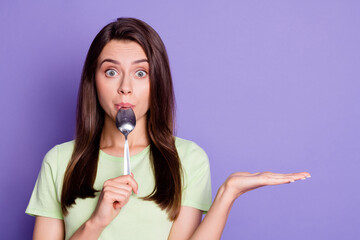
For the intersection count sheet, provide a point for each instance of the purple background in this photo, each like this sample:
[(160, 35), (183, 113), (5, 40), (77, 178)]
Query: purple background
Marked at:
[(260, 85)]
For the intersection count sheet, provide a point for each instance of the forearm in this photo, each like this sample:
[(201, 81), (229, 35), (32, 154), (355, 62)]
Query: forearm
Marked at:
[(89, 231), (212, 226)]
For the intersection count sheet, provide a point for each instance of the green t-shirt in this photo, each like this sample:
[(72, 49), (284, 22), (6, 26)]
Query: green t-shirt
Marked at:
[(138, 219)]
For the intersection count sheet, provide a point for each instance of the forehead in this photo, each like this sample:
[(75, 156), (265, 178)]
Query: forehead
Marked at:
[(122, 50)]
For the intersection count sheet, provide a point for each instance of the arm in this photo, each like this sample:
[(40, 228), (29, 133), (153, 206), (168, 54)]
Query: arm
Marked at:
[(52, 228), (48, 228), (237, 184), (186, 223)]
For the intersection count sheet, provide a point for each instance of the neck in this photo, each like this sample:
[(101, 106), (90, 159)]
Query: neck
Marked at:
[(112, 140)]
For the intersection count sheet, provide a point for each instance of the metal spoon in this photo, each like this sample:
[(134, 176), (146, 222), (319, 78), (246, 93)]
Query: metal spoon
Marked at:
[(125, 122)]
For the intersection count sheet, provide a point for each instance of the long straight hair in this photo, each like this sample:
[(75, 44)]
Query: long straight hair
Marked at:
[(81, 171)]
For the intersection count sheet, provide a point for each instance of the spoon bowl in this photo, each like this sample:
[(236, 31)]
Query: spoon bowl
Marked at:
[(125, 120), (125, 123)]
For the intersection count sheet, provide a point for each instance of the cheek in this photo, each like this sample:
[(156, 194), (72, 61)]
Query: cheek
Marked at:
[(104, 87), (103, 92), (145, 94)]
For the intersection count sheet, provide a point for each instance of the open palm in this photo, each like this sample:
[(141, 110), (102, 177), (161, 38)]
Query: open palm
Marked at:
[(242, 182)]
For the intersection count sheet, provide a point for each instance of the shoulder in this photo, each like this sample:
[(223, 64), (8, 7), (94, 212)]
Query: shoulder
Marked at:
[(65, 148), (184, 146), (190, 152), (60, 154)]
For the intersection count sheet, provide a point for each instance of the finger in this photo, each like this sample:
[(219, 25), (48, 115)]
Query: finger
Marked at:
[(112, 183), (241, 174), (289, 178), (278, 181), (306, 174), (111, 197), (300, 175), (114, 193), (268, 178), (295, 176), (280, 175), (128, 179), (120, 189)]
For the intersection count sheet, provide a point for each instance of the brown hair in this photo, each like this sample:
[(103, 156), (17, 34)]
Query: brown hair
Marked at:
[(82, 168)]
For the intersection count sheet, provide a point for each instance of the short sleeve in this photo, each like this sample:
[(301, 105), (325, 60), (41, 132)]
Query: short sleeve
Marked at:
[(44, 199), (197, 179)]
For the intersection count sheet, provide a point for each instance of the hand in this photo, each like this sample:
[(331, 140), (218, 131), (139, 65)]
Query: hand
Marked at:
[(114, 195), (242, 182)]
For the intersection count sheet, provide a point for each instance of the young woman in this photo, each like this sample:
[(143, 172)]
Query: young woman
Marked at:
[(81, 193)]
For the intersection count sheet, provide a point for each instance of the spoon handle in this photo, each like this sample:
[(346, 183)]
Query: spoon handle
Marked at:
[(127, 170)]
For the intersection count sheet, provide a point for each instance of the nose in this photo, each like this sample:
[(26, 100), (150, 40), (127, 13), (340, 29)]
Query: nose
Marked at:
[(125, 86)]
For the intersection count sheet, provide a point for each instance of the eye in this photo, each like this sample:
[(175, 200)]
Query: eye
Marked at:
[(141, 74), (110, 73)]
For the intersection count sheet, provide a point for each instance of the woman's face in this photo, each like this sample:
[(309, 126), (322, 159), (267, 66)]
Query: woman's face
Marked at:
[(122, 79)]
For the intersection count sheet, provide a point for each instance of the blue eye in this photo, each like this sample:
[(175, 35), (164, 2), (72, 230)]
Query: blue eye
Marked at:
[(111, 73), (140, 74)]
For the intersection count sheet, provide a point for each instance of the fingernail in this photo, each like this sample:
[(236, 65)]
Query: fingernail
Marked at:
[(308, 176), (292, 180), (303, 178)]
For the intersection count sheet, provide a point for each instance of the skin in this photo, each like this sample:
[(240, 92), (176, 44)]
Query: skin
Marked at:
[(122, 77)]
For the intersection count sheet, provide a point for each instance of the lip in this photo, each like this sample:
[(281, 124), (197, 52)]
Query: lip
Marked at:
[(124, 105)]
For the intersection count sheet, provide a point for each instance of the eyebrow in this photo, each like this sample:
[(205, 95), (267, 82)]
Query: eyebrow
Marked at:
[(140, 61), (118, 63)]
